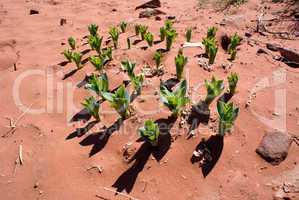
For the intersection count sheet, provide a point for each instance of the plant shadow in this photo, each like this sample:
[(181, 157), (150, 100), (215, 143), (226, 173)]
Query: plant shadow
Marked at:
[(69, 74), (212, 150), (127, 179), (226, 97), (81, 131), (100, 139), (63, 63), (170, 83), (137, 41), (200, 113)]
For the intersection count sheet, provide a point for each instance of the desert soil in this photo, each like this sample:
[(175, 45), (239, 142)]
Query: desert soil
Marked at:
[(57, 167)]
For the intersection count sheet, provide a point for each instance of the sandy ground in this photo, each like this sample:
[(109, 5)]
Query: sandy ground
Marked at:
[(56, 168)]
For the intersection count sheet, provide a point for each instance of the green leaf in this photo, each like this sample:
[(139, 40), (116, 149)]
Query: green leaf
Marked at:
[(72, 43), (93, 29), (114, 34), (123, 26), (129, 67), (150, 132), (180, 62), (92, 106)]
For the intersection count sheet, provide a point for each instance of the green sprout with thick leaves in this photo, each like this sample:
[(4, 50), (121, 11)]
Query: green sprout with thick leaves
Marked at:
[(233, 79), (114, 33), (93, 29), (175, 100), (150, 132), (188, 34), (168, 25), (211, 49), (119, 100), (92, 106), (107, 53), (129, 67), (98, 62), (170, 37), (232, 47), (211, 33), (180, 62), (77, 57), (149, 38), (157, 58), (162, 33), (228, 113), (123, 26), (72, 43), (143, 31), (137, 29), (98, 83), (137, 82), (68, 54), (214, 88), (95, 43)]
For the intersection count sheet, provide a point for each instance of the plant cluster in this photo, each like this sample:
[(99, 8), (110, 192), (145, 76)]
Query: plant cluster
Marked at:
[(150, 132), (210, 43), (137, 80), (232, 47), (180, 62)]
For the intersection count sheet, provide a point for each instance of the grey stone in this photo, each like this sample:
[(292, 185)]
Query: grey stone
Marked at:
[(149, 12), (274, 147)]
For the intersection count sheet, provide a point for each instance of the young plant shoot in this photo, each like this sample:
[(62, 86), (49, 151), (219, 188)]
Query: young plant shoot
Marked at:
[(180, 62), (92, 106), (162, 33), (72, 43), (107, 53), (232, 47), (150, 132), (233, 79), (137, 29), (114, 33), (123, 26), (143, 30), (211, 49), (228, 113), (98, 62), (211, 33), (95, 43), (214, 88), (137, 82), (149, 38), (129, 67), (76, 57), (68, 54), (170, 37), (93, 29), (119, 100), (188, 34), (98, 84), (157, 58), (175, 100), (168, 25)]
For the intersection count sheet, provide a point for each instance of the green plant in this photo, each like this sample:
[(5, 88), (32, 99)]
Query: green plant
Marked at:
[(143, 30), (128, 66), (228, 113), (76, 57), (95, 43), (175, 100), (92, 106), (168, 25), (93, 29), (107, 53), (170, 37), (98, 62), (157, 57), (129, 43), (214, 88), (137, 29), (232, 47), (98, 83), (137, 82), (211, 49), (119, 100), (149, 38), (114, 33), (68, 54), (123, 26), (233, 79), (162, 33), (180, 62), (72, 43), (211, 33), (150, 132), (188, 34)]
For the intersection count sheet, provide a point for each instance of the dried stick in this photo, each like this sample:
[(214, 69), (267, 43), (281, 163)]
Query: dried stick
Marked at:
[(120, 193)]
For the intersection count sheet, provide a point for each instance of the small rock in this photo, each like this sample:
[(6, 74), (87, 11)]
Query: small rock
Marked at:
[(62, 21), (291, 56), (34, 12), (274, 147), (158, 18), (149, 12), (171, 17), (296, 15), (247, 34), (36, 185), (261, 51), (150, 4), (114, 10)]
